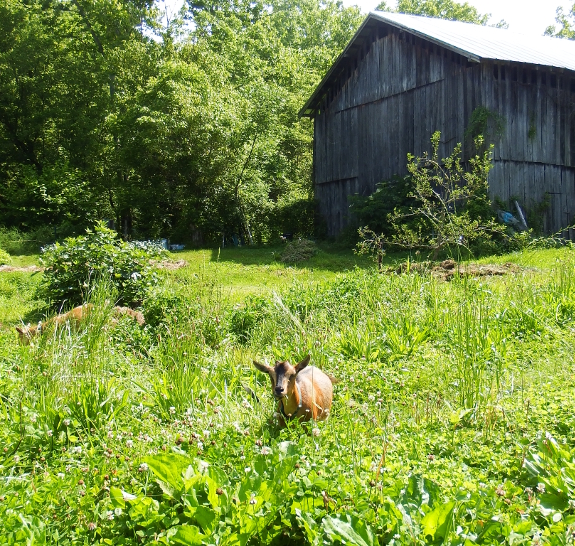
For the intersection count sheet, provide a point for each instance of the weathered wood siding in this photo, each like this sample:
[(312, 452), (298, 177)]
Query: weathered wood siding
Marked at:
[(402, 89)]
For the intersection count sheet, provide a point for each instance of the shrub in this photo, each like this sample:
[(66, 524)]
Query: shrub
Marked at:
[(450, 208), (298, 251), (4, 257), (74, 265)]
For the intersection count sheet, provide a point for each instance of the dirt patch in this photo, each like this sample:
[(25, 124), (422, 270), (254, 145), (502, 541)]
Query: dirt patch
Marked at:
[(170, 265), (29, 269), (448, 269)]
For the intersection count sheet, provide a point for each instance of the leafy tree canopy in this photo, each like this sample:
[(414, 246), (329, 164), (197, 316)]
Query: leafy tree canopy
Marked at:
[(442, 9), (566, 23)]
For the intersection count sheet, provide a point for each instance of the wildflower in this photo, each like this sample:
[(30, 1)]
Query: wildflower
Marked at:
[(500, 492), (431, 457), (143, 467), (68, 468), (315, 432), (49, 433), (129, 444), (91, 526), (540, 487), (66, 422), (571, 504), (266, 450), (110, 515), (118, 511), (110, 434), (253, 501), (371, 398), (172, 410), (61, 475), (16, 458), (247, 469)]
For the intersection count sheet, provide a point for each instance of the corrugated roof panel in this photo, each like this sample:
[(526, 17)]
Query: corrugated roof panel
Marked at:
[(488, 42)]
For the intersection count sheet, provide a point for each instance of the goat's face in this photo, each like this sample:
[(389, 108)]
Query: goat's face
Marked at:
[(282, 375), (26, 333)]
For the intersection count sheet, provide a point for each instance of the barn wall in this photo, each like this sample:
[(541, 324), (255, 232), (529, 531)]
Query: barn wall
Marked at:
[(403, 89)]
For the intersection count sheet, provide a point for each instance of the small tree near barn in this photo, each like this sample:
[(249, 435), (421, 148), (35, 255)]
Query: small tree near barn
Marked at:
[(450, 210)]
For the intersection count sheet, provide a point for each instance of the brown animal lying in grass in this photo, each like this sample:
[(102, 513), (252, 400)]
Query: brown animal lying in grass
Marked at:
[(74, 318), (303, 392)]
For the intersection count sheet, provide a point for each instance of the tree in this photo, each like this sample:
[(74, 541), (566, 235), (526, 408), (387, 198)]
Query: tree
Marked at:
[(442, 9), (450, 206), (566, 22)]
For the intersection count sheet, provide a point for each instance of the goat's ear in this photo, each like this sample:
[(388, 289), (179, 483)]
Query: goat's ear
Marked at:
[(262, 367), (20, 331), (299, 367)]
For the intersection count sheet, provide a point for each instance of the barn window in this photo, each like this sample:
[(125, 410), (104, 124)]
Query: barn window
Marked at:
[(524, 76), (502, 73), (533, 77), (514, 74), (495, 71), (543, 78)]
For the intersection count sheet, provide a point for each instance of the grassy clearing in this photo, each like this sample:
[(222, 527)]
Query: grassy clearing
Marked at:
[(453, 422)]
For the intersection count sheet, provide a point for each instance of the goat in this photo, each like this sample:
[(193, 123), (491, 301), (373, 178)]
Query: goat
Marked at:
[(74, 317), (302, 392)]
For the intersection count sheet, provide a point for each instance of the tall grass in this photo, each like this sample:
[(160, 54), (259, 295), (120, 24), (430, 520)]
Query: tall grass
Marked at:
[(443, 380)]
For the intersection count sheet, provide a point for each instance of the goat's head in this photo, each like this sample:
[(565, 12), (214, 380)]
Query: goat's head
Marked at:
[(282, 375), (27, 332)]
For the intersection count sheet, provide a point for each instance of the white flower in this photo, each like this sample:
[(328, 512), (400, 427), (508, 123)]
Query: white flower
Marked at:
[(247, 469), (540, 487), (110, 434), (266, 450), (32, 418), (110, 515), (16, 458), (49, 433), (315, 432), (118, 511), (129, 444), (66, 422), (143, 467), (172, 410)]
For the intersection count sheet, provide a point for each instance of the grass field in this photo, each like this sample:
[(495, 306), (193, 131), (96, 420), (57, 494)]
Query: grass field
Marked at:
[(453, 422)]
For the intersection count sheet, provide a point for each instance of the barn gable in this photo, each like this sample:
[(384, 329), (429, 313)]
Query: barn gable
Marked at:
[(395, 85)]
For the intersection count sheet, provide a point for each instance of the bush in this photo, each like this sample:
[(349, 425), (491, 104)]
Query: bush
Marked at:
[(4, 257), (298, 251), (74, 265)]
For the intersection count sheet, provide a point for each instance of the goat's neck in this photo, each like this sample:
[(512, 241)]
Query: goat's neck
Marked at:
[(291, 402)]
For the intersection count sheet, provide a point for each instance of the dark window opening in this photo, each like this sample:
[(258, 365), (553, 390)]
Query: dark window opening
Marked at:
[(524, 76), (543, 79), (514, 74), (553, 81), (502, 73), (534, 77), (495, 71)]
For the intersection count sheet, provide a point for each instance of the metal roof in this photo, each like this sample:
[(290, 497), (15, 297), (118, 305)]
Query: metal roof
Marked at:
[(477, 43)]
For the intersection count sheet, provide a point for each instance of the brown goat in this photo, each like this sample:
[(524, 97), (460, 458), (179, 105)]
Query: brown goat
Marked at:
[(74, 317), (302, 392)]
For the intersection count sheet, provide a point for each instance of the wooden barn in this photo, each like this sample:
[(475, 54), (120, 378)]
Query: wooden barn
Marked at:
[(402, 77)]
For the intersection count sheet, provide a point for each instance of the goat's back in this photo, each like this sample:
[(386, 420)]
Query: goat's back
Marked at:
[(317, 392)]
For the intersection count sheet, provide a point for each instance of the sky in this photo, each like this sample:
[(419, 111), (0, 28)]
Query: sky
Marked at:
[(525, 16)]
